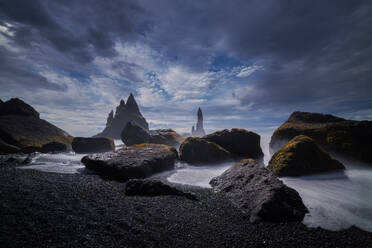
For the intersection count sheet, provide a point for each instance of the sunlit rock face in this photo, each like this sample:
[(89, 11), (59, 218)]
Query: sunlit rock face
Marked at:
[(199, 130), (353, 138), (125, 112)]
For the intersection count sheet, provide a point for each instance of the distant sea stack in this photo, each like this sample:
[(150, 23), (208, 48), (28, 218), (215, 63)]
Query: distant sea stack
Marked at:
[(125, 112), (21, 126), (199, 130)]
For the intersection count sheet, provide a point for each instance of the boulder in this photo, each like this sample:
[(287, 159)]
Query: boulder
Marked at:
[(137, 161), (30, 149), (154, 188), (135, 134), (92, 145), (239, 142), (54, 147), (302, 156), (6, 148), (352, 138), (198, 150), (21, 126), (125, 112), (256, 191)]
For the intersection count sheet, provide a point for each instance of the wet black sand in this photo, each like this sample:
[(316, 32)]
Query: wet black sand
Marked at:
[(40, 209)]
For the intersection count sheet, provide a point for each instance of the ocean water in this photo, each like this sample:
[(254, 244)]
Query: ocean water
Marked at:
[(335, 201)]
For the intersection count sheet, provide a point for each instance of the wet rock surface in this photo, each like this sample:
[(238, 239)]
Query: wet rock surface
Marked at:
[(198, 150), (302, 156), (138, 161), (154, 188), (40, 209), (237, 141), (91, 145), (253, 189), (347, 137)]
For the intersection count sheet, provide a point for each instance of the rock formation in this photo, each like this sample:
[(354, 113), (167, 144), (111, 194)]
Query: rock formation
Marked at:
[(199, 130), (124, 113), (90, 145), (138, 161), (237, 141), (257, 192), (21, 126), (134, 134), (353, 138), (198, 150), (302, 156)]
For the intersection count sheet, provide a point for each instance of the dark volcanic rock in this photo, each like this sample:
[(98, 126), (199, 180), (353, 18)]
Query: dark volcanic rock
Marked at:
[(137, 161), (154, 188), (256, 191), (353, 138), (54, 147), (134, 134), (91, 145), (30, 149), (302, 156), (124, 113), (21, 126), (198, 150), (199, 130), (6, 148), (239, 142)]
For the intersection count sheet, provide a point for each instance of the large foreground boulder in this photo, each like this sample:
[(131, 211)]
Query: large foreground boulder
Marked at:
[(92, 145), (256, 191), (352, 138), (134, 134), (237, 141), (198, 150), (137, 161), (21, 126), (153, 188), (302, 156)]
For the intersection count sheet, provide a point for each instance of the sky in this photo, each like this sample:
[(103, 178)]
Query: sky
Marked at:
[(247, 64)]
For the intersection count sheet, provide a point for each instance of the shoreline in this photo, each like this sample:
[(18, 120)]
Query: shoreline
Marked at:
[(41, 209)]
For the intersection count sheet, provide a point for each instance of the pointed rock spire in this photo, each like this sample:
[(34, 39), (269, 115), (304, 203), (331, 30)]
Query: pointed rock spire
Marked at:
[(132, 104), (199, 130), (110, 118)]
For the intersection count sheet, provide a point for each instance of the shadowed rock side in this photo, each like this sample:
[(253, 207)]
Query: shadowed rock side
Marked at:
[(154, 188), (7, 149), (138, 161), (21, 126), (302, 156), (90, 145), (125, 112), (353, 138), (239, 142), (198, 150), (134, 134), (256, 191), (54, 147)]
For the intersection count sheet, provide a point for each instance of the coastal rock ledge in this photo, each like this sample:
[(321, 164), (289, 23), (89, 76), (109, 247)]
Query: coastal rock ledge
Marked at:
[(137, 161), (257, 192)]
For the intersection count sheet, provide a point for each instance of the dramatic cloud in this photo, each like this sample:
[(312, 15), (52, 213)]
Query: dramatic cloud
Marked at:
[(246, 63)]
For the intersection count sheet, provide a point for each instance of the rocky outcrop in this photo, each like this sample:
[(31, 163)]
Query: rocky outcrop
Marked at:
[(92, 145), (138, 161), (257, 192), (199, 130), (198, 150), (54, 147), (154, 188), (125, 112), (302, 156), (6, 148), (352, 138), (239, 142), (134, 134), (21, 126)]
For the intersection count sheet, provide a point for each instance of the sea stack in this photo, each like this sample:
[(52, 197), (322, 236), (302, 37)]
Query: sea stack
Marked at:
[(199, 130), (125, 112)]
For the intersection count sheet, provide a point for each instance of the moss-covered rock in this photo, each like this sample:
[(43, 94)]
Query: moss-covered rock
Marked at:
[(92, 145), (352, 138), (198, 150), (302, 156), (237, 141), (138, 161)]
